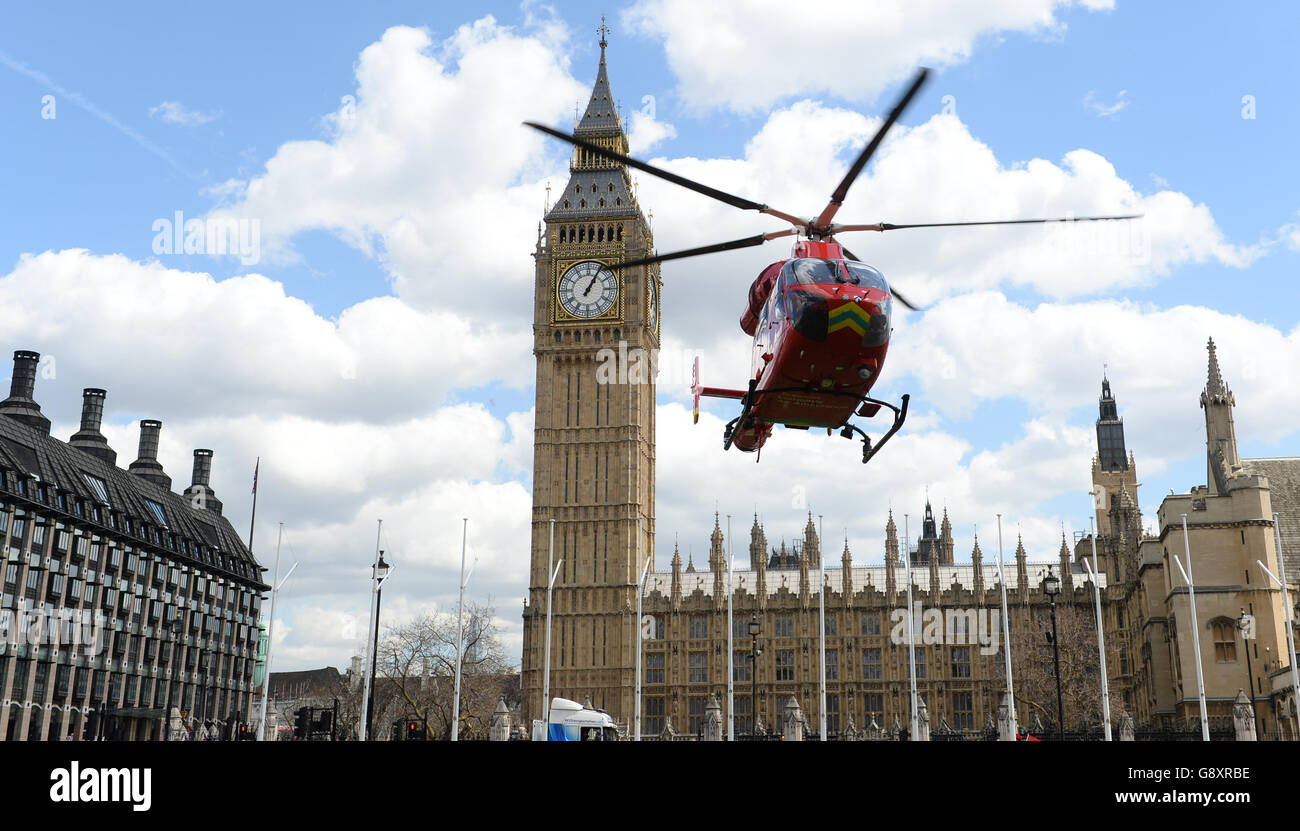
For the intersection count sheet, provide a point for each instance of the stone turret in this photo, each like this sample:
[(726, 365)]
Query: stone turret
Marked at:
[(677, 578), (891, 559), (718, 564), (846, 574), (1220, 432), (977, 560), (1022, 571), (1067, 578)]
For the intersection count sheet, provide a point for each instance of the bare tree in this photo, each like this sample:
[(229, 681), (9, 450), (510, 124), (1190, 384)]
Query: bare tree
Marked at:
[(419, 659), (1032, 661)]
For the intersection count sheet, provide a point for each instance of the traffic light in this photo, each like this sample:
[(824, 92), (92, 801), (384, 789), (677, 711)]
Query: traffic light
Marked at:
[(302, 723), (245, 735), (397, 731), (415, 731)]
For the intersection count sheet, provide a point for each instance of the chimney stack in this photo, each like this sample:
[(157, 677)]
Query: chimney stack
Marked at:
[(147, 466), (199, 493), (19, 405), (89, 438)]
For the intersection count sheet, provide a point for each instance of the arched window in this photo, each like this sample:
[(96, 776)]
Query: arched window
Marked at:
[(611, 187), (577, 337), (582, 203), (600, 233), (1225, 640), (582, 235), (618, 202), (561, 235), (620, 233), (557, 337), (602, 202)]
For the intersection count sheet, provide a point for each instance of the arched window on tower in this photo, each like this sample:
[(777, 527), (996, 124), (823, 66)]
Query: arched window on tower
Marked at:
[(1225, 640), (600, 233), (620, 233)]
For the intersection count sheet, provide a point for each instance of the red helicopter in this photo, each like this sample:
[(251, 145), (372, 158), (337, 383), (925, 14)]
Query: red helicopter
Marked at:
[(820, 320)]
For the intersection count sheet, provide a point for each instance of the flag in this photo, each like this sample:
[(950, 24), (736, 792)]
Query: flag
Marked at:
[(255, 469)]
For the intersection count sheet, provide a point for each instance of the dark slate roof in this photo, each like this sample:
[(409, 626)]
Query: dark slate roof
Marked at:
[(1284, 484), (305, 683), (579, 201), (602, 114), (60, 467)]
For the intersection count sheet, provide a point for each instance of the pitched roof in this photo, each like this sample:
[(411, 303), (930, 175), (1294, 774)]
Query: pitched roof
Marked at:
[(1284, 486), (63, 468)]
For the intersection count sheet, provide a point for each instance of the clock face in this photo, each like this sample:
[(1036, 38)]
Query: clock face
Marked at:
[(588, 289), (652, 316)]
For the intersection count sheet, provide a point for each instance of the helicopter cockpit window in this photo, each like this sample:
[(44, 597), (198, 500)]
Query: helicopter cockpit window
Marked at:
[(864, 275), (807, 270)]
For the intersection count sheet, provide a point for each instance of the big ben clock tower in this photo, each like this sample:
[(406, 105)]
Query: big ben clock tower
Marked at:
[(594, 436)]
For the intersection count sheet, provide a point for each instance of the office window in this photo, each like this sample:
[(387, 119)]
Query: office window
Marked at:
[(742, 666), (1225, 641), (785, 665), (784, 626), (961, 662), (699, 668), (654, 717), (920, 662), (871, 664), (963, 711), (874, 709), (832, 626), (832, 665), (699, 627), (696, 705), (832, 713), (654, 668), (744, 714)]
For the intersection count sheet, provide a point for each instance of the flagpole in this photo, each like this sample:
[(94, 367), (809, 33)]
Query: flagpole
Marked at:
[(1101, 639), (252, 523), (1006, 636), (821, 622), (460, 635), (731, 669), (1196, 632), (911, 641)]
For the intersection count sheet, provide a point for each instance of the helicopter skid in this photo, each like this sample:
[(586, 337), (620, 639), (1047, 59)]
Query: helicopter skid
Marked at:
[(749, 434)]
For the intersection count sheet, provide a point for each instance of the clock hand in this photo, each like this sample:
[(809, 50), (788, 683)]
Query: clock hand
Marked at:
[(585, 291)]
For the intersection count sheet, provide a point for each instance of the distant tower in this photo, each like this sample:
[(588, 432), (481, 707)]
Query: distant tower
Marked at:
[(1113, 469), (1220, 433)]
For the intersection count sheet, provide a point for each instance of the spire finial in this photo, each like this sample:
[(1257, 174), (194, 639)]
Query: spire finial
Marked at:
[(1215, 383), (603, 30)]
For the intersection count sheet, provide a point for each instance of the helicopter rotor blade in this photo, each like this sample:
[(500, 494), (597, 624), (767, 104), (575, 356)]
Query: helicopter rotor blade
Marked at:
[(690, 184), (837, 198), (889, 226), (730, 245)]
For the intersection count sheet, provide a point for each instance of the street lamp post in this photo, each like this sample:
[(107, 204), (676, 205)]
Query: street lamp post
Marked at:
[(381, 573), (1052, 587), (1243, 623), (754, 629), (174, 630)]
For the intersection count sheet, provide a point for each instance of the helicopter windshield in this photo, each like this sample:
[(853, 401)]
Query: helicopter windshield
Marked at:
[(809, 270)]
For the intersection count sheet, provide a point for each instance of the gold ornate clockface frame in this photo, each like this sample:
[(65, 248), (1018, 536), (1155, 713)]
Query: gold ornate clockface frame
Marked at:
[(587, 290), (652, 304)]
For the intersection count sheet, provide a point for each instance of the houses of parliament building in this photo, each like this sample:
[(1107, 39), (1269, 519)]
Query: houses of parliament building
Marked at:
[(594, 516)]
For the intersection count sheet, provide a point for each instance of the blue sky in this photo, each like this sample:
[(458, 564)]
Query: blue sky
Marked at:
[(160, 109)]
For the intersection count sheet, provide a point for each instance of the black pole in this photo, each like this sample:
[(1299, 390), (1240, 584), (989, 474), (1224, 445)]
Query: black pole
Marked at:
[(374, 660), (1056, 662), (1250, 683), (753, 678)]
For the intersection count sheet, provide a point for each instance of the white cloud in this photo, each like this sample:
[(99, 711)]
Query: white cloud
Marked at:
[(428, 161), (1090, 102), (747, 55), (174, 112)]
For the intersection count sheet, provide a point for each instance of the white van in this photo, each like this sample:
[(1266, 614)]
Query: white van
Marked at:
[(571, 722)]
